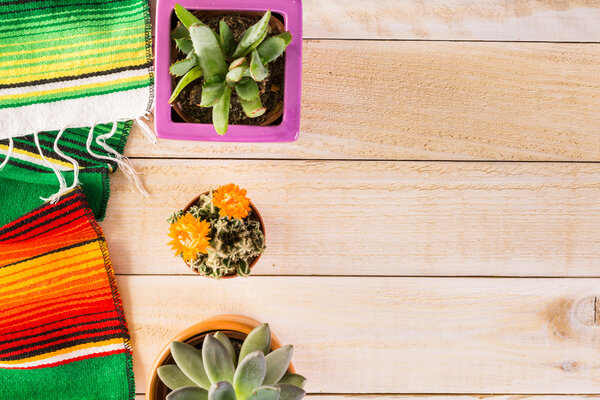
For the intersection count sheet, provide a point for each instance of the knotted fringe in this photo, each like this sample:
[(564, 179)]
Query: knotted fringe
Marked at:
[(8, 154), (61, 180), (146, 129), (123, 162)]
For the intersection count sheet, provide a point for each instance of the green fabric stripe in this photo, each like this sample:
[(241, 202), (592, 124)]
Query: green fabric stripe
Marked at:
[(98, 47), (104, 378), (65, 28), (67, 36), (27, 15), (39, 31), (76, 94)]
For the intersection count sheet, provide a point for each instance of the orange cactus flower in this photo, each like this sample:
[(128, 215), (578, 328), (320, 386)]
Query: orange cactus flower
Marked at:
[(231, 201), (190, 236)]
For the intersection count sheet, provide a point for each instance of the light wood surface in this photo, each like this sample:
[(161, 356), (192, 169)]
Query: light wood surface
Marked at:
[(505, 20), (378, 218), (433, 234), (434, 101), (389, 335)]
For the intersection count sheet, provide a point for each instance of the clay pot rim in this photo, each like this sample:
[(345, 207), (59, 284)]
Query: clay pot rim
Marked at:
[(223, 323), (272, 115), (262, 229)]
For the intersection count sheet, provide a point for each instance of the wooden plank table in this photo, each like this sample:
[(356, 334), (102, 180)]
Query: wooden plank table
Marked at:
[(433, 234)]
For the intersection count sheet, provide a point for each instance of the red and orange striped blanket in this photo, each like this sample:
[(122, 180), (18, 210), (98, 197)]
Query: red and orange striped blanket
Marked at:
[(63, 333)]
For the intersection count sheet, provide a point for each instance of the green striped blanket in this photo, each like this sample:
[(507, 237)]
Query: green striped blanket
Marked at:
[(72, 64)]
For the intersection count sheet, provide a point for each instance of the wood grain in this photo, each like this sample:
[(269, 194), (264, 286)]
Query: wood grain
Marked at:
[(507, 20), (433, 101), (393, 335), (378, 218)]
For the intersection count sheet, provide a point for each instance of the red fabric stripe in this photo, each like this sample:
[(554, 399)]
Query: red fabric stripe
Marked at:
[(74, 330), (67, 340), (61, 312), (40, 330), (64, 212), (33, 214)]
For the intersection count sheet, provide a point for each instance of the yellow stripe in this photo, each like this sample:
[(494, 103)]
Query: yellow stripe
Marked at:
[(18, 269), (64, 351), (72, 36), (37, 156), (66, 46), (80, 276), (42, 72), (41, 93), (98, 52)]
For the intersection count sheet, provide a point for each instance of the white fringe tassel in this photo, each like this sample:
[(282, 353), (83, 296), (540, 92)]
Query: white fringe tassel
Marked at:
[(146, 129), (123, 162), (61, 180), (8, 153)]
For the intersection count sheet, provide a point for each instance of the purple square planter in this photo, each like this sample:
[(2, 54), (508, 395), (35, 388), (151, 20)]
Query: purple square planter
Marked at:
[(286, 131)]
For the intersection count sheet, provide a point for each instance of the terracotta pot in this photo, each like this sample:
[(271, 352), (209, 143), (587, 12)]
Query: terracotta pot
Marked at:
[(255, 212), (275, 24), (234, 326)]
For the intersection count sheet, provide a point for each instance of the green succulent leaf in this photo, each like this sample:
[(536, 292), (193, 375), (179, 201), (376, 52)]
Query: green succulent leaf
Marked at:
[(247, 89), (290, 392), (221, 123), (221, 391), (188, 393), (252, 109), (236, 74), (212, 93), (258, 339), (273, 47), (180, 32), (253, 36), (189, 360), (249, 374), (278, 362), (184, 45), (209, 52), (182, 67), (265, 393), (238, 63), (172, 377), (186, 17), (221, 337), (226, 38), (294, 379), (190, 76), (257, 69)]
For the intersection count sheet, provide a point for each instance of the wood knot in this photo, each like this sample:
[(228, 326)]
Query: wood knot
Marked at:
[(567, 319)]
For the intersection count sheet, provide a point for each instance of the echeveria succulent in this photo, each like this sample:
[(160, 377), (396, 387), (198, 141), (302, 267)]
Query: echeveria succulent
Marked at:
[(225, 64), (218, 372)]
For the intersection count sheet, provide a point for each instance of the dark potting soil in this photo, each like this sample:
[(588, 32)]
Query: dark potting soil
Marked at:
[(271, 89)]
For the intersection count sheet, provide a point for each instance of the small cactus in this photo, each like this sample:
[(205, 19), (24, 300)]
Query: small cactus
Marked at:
[(233, 239), (218, 372), (224, 64)]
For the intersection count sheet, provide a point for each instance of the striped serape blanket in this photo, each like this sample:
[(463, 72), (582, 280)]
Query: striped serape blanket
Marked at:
[(27, 177), (62, 329), (73, 64)]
